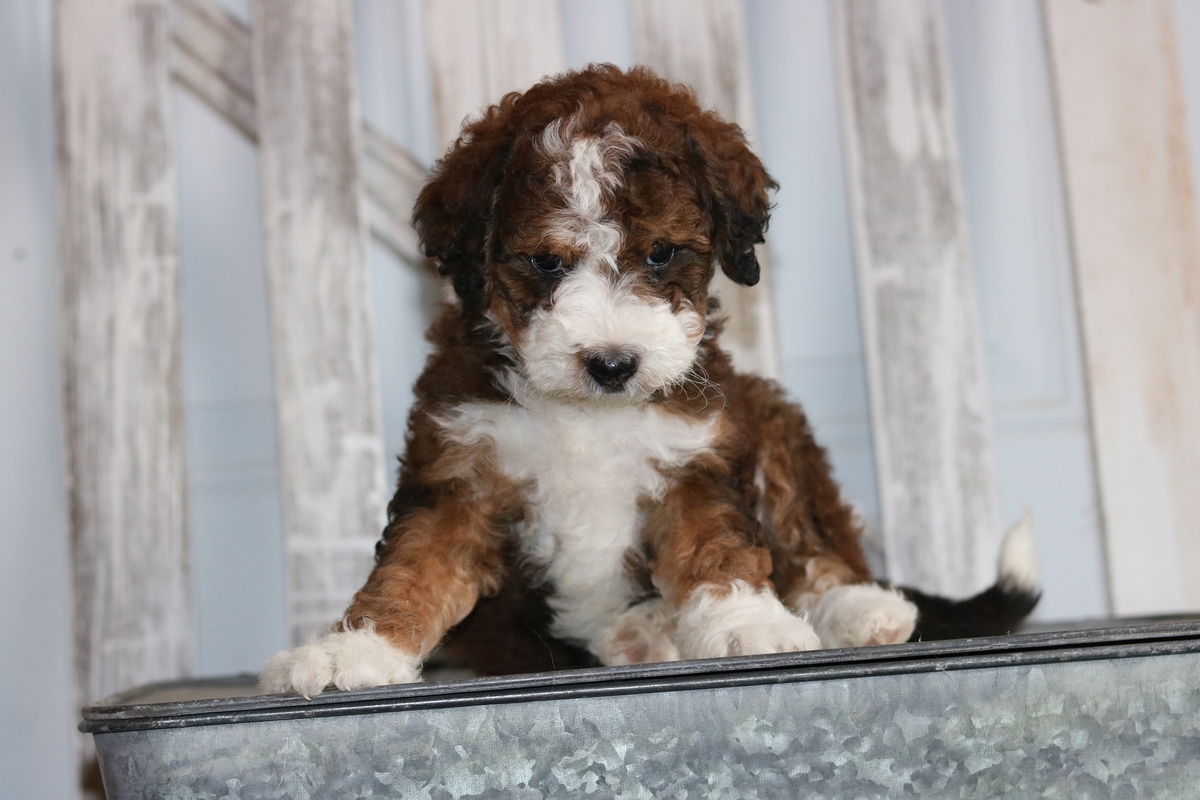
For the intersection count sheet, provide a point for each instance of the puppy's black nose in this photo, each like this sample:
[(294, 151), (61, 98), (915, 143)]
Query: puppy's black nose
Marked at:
[(611, 369)]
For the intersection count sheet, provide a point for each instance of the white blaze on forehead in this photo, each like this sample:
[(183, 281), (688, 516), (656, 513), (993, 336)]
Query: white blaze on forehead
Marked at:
[(590, 174), (594, 308)]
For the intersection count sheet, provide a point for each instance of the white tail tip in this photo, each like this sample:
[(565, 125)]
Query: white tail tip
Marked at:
[(1019, 566)]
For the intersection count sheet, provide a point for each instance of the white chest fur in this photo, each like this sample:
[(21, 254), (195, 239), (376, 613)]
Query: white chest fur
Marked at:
[(587, 467)]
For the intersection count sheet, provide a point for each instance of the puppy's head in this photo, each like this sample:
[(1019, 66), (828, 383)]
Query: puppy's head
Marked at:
[(584, 219)]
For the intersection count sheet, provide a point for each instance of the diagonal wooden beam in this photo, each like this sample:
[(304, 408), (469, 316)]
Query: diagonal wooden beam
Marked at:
[(210, 55), (391, 179)]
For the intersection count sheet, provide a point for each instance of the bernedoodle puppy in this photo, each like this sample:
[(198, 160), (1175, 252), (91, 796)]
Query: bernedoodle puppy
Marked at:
[(587, 480)]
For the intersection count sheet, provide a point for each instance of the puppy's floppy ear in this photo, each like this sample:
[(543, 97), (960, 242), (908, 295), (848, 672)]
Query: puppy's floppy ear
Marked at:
[(735, 183), (453, 212)]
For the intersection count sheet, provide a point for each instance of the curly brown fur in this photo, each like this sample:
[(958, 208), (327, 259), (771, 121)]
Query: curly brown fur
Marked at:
[(586, 477)]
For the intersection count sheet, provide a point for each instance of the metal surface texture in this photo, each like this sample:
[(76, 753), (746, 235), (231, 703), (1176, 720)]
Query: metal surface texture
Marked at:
[(1100, 713)]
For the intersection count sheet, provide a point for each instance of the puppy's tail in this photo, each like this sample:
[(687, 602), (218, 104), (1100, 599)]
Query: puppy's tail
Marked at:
[(998, 609)]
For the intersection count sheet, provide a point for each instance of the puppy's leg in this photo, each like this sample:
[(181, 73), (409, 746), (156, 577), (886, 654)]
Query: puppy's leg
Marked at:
[(739, 618), (847, 612), (860, 614), (642, 635), (345, 658), (708, 567), (433, 567)]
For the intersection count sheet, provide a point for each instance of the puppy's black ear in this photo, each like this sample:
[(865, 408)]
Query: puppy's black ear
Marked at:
[(454, 210), (735, 184)]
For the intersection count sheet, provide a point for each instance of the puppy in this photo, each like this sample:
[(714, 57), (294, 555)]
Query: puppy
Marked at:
[(586, 479)]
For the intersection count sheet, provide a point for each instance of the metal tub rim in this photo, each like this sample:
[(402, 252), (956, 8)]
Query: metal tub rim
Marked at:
[(1120, 639)]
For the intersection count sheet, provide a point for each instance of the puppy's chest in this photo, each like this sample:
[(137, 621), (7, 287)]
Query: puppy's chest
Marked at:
[(587, 469)]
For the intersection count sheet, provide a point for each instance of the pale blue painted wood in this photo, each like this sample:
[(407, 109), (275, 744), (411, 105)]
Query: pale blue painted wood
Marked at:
[(237, 528), (596, 31), (823, 368), (239, 8), (396, 95), (38, 745), (395, 89), (1018, 228)]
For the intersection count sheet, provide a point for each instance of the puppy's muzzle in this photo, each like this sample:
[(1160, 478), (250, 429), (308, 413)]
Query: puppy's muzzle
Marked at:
[(611, 369)]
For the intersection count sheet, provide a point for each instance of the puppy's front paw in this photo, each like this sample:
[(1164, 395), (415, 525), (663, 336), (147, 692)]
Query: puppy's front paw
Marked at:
[(641, 635), (353, 659), (863, 614), (739, 621)]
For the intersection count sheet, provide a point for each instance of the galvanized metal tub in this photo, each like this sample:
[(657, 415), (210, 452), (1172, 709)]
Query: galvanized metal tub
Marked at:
[(1112, 712)]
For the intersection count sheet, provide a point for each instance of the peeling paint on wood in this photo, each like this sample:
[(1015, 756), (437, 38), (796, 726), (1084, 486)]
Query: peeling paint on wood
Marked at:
[(322, 320), (121, 347), (704, 45), (210, 56), (1137, 265), (931, 420)]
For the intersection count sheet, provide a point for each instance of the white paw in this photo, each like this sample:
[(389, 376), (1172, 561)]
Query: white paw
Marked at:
[(641, 635), (862, 614), (739, 621), (352, 659)]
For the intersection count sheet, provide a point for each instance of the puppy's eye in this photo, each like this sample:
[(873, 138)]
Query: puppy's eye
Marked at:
[(547, 263), (660, 255)]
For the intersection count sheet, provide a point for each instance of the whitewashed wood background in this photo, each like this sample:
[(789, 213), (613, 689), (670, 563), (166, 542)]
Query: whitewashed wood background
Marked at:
[(985, 117)]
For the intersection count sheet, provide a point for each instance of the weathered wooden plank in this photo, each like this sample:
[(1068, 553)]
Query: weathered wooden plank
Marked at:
[(121, 345), (931, 421), (323, 328), (210, 55), (482, 49), (121, 348), (704, 45), (1137, 266)]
